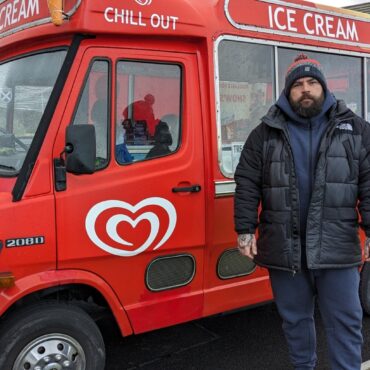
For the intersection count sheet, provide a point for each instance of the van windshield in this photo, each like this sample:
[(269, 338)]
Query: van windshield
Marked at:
[(25, 87)]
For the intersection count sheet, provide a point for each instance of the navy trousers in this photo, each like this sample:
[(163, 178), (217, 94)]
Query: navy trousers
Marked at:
[(337, 293)]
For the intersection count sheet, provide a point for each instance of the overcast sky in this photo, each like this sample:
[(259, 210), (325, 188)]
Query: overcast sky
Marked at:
[(338, 3)]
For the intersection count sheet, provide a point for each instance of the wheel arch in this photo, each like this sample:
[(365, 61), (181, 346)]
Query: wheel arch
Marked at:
[(67, 285)]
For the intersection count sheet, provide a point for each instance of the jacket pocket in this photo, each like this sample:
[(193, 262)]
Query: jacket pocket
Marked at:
[(274, 245), (340, 243)]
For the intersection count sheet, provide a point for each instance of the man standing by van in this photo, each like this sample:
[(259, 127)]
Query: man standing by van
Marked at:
[(308, 164)]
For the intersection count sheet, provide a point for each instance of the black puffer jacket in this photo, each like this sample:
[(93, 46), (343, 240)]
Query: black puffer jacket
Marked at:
[(266, 174)]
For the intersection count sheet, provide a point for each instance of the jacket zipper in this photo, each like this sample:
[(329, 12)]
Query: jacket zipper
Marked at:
[(310, 158), (294, 268), (311, 181)]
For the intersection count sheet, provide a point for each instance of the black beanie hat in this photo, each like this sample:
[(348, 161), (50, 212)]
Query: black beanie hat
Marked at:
[(303, 66)]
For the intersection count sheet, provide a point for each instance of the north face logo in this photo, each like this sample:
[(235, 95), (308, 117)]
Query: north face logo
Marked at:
[(345, 126)]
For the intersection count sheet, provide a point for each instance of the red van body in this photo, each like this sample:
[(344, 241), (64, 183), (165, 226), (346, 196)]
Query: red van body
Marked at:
[(136, 216)]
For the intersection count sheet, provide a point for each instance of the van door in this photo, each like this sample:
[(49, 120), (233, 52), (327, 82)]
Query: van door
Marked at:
[(138, 221)]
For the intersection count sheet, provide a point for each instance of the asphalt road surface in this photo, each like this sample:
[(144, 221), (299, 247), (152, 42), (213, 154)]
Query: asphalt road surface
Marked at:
[(245, 340)]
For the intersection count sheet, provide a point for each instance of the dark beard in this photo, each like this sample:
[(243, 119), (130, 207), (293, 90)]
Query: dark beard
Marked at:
[(308, 112)]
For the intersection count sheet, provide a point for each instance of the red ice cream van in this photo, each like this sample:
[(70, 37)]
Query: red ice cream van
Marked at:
[(121, 125)]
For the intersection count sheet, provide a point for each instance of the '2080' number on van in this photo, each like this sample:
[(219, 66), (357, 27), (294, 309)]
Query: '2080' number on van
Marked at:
[(24, 242)]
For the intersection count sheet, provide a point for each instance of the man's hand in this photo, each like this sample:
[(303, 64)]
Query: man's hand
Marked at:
[(367, 249), (247, 245)]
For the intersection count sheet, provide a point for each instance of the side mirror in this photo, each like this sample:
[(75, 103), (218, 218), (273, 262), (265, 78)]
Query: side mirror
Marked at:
[(80, 149)]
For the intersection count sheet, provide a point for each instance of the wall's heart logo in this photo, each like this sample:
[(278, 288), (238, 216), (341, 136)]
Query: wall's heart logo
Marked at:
[(115, 220), (144, 2)]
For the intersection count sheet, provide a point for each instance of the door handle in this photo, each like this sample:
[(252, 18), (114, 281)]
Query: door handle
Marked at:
[(187, 189)]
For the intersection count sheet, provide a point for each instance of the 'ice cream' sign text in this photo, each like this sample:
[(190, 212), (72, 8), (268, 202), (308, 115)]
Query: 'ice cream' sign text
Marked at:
[(315, 24), (300, 21)]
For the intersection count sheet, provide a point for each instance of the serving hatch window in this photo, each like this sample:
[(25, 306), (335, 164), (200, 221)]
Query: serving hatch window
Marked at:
[(246, 90), (343, 74), (247, 82)]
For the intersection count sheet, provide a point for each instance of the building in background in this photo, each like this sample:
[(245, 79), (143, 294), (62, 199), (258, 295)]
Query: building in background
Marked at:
[(364, 7)]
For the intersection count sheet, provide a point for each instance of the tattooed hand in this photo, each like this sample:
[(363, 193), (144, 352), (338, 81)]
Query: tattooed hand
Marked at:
[(247, 245), (366, 249)]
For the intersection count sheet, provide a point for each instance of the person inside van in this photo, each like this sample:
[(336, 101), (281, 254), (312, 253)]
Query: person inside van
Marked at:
[(162, 141), (122, 153), (142, 111), (172, 121)]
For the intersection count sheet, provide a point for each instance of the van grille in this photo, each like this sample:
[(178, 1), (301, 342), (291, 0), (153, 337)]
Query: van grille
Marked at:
[(170, 272), (232, 264)]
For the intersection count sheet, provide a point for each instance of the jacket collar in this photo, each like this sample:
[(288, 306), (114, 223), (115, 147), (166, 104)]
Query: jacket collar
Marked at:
[(276, 118), (284, 104)]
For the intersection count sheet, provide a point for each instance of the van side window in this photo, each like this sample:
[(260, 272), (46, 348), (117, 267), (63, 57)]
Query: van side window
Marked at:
[(246, 91), (148, 110), (93, 108), (343, 74)]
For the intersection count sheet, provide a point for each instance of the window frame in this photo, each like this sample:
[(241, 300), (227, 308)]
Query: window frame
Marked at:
[(109, 103), (181, 104), (276, 45)]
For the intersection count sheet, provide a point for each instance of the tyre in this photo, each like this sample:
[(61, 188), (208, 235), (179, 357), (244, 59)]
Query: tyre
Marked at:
[(51, 335), (365, 287)]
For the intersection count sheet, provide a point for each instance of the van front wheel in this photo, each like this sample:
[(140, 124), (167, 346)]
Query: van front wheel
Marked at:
[(51, 336)]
